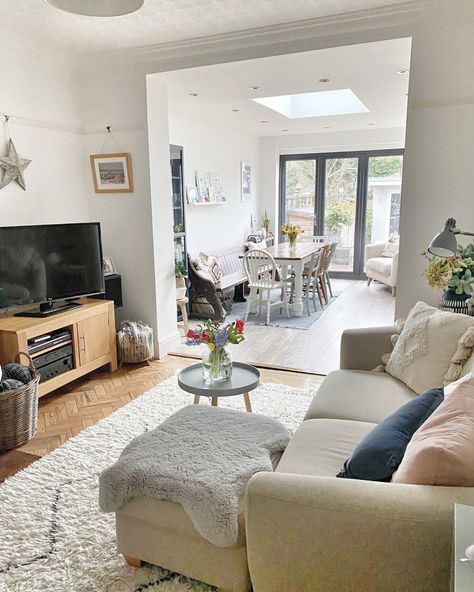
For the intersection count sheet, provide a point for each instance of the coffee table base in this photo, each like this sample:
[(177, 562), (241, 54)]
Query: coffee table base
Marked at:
[(215, 399)]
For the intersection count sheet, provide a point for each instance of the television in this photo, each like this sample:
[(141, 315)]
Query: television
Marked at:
[(50, 265)]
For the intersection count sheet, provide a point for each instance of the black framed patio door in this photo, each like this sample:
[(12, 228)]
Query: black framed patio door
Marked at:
[(352, 198)]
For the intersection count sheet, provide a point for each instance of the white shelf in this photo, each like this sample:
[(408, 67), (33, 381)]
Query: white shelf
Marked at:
[(207, 203)]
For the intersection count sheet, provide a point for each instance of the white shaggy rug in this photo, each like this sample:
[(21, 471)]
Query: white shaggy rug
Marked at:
[(53, 537)]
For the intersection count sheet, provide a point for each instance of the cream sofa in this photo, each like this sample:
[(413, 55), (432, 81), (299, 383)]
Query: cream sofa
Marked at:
[(304, 530), (381, 269)]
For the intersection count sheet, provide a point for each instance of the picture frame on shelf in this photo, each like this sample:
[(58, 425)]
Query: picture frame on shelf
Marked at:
[(202, 183), (246, 181), (191, 195), (112, 173), (109, 266)]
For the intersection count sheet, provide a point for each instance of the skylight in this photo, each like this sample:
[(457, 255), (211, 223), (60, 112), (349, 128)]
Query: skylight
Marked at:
[(315, 104)]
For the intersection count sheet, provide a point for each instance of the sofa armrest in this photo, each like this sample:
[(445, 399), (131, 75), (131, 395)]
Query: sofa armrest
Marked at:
[(362, 349), (310, 533), (374, 250)]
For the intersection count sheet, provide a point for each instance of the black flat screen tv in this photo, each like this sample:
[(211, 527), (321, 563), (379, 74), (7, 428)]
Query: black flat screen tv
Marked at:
[(49, 264)]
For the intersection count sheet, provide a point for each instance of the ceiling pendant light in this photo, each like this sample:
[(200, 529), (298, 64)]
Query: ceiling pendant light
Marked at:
[(98, 7)]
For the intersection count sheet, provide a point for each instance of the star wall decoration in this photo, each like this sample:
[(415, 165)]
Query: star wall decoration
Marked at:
[(13, 167)]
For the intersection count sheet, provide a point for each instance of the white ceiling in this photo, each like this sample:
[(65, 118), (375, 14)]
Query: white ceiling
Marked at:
[(369, 70), (160, 21)]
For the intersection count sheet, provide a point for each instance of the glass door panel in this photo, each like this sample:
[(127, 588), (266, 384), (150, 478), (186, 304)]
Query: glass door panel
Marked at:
[(383, 198), (299, 194), (340, 206)]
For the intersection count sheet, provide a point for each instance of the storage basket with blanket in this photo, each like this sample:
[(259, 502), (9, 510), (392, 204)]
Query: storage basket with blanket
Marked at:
[(135, 341), (19, 387)]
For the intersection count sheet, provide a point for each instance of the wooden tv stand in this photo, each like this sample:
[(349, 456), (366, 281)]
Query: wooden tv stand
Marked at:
[(92, 328)]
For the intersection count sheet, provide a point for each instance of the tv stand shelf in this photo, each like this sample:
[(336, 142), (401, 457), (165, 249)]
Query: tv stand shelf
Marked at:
[(92, 327)]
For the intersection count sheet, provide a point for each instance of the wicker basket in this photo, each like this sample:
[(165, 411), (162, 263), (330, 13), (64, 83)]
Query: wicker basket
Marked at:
[(19, 411), (135, 340)]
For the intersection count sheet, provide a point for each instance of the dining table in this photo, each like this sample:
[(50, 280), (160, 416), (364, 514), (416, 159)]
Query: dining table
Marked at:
[(295, 257)]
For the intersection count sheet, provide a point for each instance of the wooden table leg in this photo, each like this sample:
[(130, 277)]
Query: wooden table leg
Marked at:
[(248, 404), (197, 399), (214, 401), (184, 314)]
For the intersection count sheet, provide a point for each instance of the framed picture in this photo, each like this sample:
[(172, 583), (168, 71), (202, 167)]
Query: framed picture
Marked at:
[(246, 181), (191, 195), (109, 266), (112, 173), (202, 182)]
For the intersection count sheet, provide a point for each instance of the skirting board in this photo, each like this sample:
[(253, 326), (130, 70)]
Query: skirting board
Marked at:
[(168, 343)]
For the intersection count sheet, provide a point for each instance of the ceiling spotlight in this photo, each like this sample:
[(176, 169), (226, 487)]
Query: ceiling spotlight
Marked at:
[(254, 87), (193, 94), (327, 127), (284, 130), (403, 71), (235, 110), (324, 79), (371, 124), (264, 121), (94, 8)]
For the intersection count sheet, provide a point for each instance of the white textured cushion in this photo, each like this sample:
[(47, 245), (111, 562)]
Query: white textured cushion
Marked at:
[(381, 265), (423, 352), (392, 247)]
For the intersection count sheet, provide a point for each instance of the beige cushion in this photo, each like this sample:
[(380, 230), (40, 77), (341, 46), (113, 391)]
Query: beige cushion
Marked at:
[(320, 446), (169, 516), (358, 395), (426, 346), (382, 265)]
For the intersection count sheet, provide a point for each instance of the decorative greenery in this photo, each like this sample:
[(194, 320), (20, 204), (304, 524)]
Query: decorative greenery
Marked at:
[(453, 273), (291, 231), (180, 270), (266, 222)]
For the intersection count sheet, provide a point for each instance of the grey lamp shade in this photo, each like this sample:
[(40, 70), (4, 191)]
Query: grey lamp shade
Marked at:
[(445, 244)]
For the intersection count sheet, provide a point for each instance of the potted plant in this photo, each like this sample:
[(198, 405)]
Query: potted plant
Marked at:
[(265, 224), (291, 231), (454, 276), (216, 358), (180, 274)]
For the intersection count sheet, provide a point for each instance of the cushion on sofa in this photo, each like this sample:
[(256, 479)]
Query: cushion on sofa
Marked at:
[(426, 346), (441, 451), (382, 265), (377, 456), (392, 247), (358, 395), (320, 446)]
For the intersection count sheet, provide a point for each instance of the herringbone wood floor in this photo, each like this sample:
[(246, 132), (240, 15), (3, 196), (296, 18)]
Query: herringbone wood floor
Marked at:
[(65, 412)]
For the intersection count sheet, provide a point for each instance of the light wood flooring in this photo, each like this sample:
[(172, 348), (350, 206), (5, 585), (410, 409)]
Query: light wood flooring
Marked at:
[(83, 403), (317, 349)]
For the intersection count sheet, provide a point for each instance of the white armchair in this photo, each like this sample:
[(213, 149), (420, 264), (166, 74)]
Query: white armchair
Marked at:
[(380, 268)]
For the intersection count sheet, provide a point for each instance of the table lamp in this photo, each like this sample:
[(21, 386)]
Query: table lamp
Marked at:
[(444, 244)]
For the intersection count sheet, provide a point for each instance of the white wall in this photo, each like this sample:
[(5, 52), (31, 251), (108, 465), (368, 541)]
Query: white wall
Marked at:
[(211, 147), (39, 92), (272, 148)]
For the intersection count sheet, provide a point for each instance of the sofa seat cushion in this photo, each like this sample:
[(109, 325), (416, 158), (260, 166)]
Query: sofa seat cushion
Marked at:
[(358, 395), (232, 279), (320, 446), (170, 516), (381, 265)]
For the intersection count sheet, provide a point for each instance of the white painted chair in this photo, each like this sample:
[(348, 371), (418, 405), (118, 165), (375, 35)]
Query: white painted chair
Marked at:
[(262, 276)]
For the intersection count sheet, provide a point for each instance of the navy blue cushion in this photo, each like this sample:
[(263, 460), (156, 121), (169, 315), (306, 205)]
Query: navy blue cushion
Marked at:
[(378, 455)]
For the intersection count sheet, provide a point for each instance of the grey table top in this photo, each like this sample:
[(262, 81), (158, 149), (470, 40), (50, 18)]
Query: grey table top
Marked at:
[(244, 378)]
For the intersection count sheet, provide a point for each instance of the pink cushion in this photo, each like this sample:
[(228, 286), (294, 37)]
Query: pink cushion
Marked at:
[(441, 451)]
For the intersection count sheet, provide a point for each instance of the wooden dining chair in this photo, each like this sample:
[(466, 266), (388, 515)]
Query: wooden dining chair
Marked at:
[(329, 258), (320, 274), (262, 278)]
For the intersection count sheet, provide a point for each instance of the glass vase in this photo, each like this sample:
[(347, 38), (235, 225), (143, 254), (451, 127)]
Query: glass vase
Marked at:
[(216, 364), (292, 241)]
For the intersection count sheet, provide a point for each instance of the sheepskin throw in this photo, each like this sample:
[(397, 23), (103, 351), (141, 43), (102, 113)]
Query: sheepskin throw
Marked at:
[(202, 458)]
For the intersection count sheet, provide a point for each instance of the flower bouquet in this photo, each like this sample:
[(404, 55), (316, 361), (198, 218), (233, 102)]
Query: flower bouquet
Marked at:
[(291, 231), (217, 359)]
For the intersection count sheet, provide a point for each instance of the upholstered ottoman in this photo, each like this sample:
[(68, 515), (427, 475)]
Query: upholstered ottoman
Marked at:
[(161, 533)]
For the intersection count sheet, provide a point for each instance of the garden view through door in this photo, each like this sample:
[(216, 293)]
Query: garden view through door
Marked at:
[(349, 198)]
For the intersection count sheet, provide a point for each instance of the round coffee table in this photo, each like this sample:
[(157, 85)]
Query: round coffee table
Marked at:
[(245, 378)]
